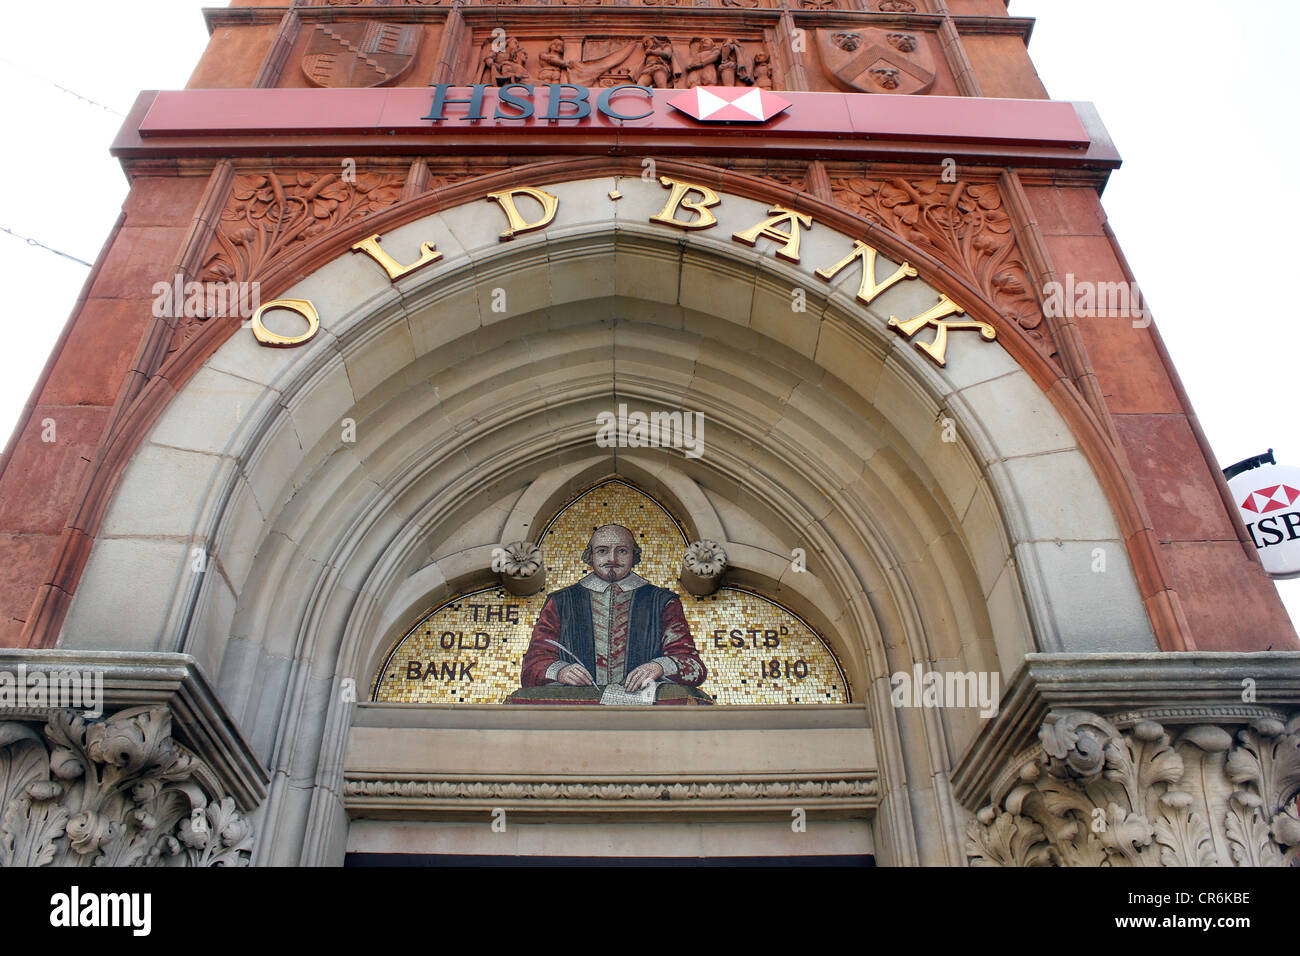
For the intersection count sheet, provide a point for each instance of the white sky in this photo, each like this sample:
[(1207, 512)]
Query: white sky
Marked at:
[(1181, 87)]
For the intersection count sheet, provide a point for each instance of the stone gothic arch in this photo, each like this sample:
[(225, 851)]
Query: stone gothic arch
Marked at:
[(826, 427)]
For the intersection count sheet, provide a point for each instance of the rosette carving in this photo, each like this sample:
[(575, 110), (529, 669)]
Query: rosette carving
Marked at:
[(522, 567), (703, 566), (1095, 795), (113, 792), (964, 226)]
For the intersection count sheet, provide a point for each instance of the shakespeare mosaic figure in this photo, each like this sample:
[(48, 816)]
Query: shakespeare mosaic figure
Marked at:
[(612, 627)]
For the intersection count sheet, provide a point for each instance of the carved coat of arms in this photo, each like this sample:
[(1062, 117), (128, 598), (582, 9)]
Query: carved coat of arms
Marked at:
[(361, 53), (873, 60)]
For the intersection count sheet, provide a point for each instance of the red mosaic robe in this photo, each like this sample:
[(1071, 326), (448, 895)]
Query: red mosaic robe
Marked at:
[(678, 657)]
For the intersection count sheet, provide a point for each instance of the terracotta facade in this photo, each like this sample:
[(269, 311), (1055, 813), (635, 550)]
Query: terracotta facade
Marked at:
[(116, 364), (1039, 507)]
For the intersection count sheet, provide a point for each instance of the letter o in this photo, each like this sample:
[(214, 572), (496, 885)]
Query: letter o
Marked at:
[(276, 341)]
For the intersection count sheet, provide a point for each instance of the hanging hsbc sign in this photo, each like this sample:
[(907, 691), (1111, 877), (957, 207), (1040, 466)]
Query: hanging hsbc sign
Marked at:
[(1269, 501)]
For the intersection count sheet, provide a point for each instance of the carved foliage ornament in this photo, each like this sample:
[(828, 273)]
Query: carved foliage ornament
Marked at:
[(961, 224), (113, 792), (271, 214), (618, 790), (1093, 795)]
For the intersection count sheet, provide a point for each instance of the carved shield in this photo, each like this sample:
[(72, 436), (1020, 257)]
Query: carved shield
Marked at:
[(872, 60), (361, 53)]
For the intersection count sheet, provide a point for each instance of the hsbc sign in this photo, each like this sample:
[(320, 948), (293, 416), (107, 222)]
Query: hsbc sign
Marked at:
[(626, 119), (515, 101), (625, 103), (1269, 501)]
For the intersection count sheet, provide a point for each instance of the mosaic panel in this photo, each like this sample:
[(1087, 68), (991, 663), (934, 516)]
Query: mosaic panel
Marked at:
[(470, 649)]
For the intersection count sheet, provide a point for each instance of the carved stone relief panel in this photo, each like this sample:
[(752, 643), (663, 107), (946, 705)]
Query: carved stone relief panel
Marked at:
[(359, 53), (962, 224), (664, 60), (857, 58)]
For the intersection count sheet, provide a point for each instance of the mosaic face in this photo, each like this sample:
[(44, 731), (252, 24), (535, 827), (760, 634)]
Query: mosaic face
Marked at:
[(476, 648)]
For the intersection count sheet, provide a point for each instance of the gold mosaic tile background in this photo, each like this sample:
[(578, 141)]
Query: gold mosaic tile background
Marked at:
[(470, 649)]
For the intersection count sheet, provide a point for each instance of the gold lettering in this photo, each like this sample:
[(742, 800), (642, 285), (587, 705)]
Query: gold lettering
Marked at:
[(767, 229), (677, 200), (934, 316), (505, 198), (868, 288), (303, 307), (394, 268)]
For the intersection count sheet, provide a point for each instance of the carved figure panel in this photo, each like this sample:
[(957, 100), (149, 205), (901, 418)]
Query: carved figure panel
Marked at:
[(663, 61)]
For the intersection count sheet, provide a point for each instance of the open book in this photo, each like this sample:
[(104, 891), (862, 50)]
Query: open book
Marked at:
[(618, 695)]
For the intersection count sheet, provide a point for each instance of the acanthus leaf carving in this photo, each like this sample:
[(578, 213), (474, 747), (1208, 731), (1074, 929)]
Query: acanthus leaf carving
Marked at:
[(115, 791), (1098, 795), (1006, 840)]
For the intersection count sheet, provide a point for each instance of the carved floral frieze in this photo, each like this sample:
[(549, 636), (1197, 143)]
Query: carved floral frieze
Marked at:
[(1092, 794), (598, 791), (117, 791)]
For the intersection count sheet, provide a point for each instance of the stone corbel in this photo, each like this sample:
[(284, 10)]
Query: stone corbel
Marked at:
[(162, 783), (1171, 783), (522, 568), (702, 567)]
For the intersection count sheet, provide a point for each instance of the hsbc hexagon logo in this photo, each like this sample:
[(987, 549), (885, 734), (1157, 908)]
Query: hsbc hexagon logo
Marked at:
[(729, 104), (1271, 498)]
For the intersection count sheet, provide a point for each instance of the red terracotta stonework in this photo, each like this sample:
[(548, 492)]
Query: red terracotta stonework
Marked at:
[(1029, 213)]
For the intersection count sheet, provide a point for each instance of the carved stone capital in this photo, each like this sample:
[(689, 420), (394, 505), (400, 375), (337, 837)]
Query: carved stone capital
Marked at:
[(113, 791), (1204, 772), (155, 775)]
